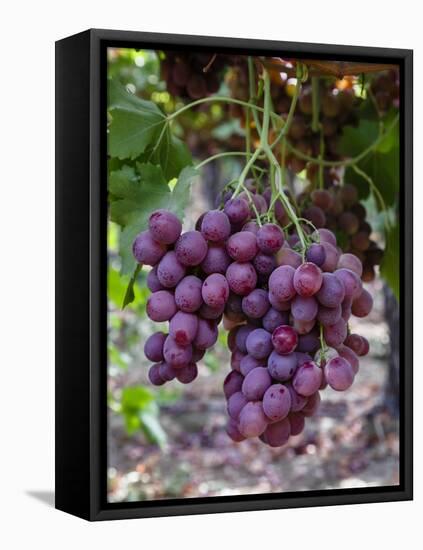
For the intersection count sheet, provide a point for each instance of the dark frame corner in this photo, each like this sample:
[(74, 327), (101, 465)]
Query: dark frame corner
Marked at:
[(81, 261)]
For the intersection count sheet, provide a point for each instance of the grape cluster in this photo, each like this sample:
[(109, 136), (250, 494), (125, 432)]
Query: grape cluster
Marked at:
[(286, 312), (192, 75), (385, 88), (338, 209)]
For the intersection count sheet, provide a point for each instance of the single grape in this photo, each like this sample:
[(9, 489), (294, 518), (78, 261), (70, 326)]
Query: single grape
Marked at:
[(252, 420), (316, 254), (146, 250), (236, 403), (276, 402), (256, 383), (207, 334), (348, 354), (154, 375), (248, 363), (332, 257), (277, 434), (339, 373), (217, 260), (304, 309), (164, 226), (242, 246), (332, 291), (232, 383), (237, 210), (360, 241), (297, 422), (351, 281), (270, 238), (188, 294), (176, 355), (357, 343), (256, 304), (167, 372), (284, 339), (307, 279), (326, 236), (187, 374), (216, 226), (281, 283), (153, 282), (322, 198), (282, 367), (362, 305), (315, 215), (274, 318), (161, 306), (298, 402), (349, 223), (287, 256), (191, 248), (307, 379), (259, 343), (241, 277), (264, 264), (215, 290), (349, 261), (335, 334), (153, 347), (183, 327), (170, 271), (233, 432)]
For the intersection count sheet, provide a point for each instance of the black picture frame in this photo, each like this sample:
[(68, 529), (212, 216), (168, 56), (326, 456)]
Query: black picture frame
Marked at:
[(81, 261)]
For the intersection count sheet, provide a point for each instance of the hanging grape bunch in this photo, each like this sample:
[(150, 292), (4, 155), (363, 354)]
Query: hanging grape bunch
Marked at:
[(284, 312)]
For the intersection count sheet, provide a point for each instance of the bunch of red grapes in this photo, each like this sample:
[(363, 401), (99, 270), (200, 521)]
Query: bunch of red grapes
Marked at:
[(286, 309), (193, 75), (339, 210)]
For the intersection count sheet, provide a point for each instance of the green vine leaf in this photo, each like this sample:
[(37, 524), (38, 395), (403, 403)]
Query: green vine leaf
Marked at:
[(171, 153), (382, 165), (390, 263), (135, 123)]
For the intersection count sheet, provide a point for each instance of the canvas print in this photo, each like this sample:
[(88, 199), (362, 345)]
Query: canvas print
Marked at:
[(253, 274)]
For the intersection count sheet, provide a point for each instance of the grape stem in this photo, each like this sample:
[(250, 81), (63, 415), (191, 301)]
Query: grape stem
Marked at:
[(218, 99), (264, 144), (291, 111), (375, 191), (323, 347), (220, 155)]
